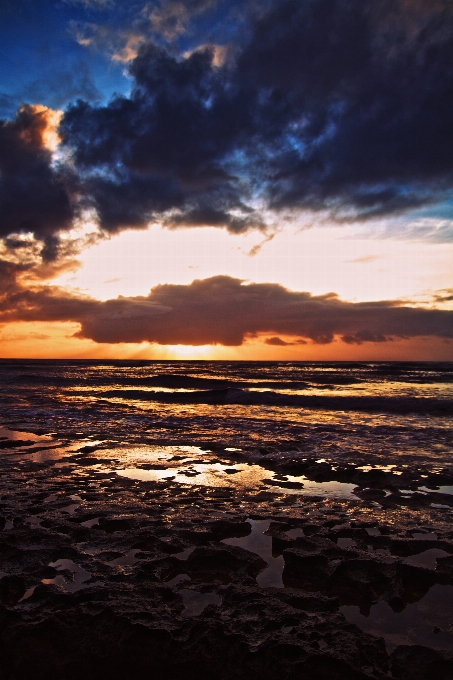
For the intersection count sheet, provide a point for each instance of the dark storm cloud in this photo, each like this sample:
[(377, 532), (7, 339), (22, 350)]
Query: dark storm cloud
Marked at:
[(223, 310), (34, 194), (337, 105), (366, 96), (343, 106), (165, 148)]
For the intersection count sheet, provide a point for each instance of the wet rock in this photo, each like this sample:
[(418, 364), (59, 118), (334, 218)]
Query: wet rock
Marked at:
[(379, 542), (309, 570), (215, 531), (148, 542), (403, 547), (280, 539), (78, 643), (445, 566), (283, 484), (444, 478), (361, 582), (320, 472), (322, 546), (307, 602), (364, 581), (16, 443), (229, 528), (291, 643), (223, 564), (159, 569), (113, 524), (370, 494), (421, 663), (12, 589), (129, 619)]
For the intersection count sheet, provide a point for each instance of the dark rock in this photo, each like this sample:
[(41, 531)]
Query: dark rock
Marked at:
[(223, 564), (15, 443), (445, 566), (403, 547), (364, 581), (421, 663), (12, 589), (222, 528), (114, 524), (150, 543), (310, 570)]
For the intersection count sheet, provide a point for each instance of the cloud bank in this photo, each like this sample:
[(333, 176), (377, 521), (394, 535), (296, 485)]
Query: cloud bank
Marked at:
[(220, 311)]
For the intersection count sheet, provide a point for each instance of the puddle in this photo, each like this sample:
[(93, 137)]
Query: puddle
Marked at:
[(79, 574), (184, 554), (203, 473), (428, 622), (178, 579), (36, 447), (241, 475), (127, 560), (373, 531), (90, 523), (383, 468), (16, 435), (154, 464), (442, 489), (70, 509), (426, 559), (261, 545), (28, 593), (196, 602), (42, 447), (34, 521), (419, 535), (346, 542)]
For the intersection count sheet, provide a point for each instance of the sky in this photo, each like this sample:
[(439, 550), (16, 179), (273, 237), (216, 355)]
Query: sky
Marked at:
[(226, 179)]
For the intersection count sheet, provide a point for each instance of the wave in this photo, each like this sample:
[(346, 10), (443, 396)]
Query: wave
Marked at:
[(402, 405)]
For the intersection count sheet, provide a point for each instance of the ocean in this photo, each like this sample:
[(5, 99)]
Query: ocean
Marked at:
[(335, 409)]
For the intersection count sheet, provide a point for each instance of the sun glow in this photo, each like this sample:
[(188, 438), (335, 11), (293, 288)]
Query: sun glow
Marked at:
[(318, 260), (57, 340)]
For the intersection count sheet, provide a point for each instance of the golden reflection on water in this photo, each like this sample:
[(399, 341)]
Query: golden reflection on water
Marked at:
[(208, 472)]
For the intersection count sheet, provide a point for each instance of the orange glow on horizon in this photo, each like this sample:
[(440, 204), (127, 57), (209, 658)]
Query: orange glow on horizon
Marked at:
[(39, 340)]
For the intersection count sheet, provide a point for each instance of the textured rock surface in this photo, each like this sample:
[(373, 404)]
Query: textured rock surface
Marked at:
[(106, 577)]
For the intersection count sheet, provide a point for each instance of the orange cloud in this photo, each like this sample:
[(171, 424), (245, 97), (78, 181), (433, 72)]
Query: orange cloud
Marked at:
[(42, 128)]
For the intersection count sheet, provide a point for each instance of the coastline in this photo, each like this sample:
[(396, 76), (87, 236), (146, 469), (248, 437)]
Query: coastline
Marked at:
[(153, 535)]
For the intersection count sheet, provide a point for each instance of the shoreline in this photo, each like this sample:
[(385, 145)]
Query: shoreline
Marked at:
[(129, 578)]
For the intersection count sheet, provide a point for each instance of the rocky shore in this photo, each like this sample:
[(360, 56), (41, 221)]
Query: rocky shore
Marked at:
[(105, 575)]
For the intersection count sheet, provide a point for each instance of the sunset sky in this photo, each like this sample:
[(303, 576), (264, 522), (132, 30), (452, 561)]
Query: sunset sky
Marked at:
[(225, 179)]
